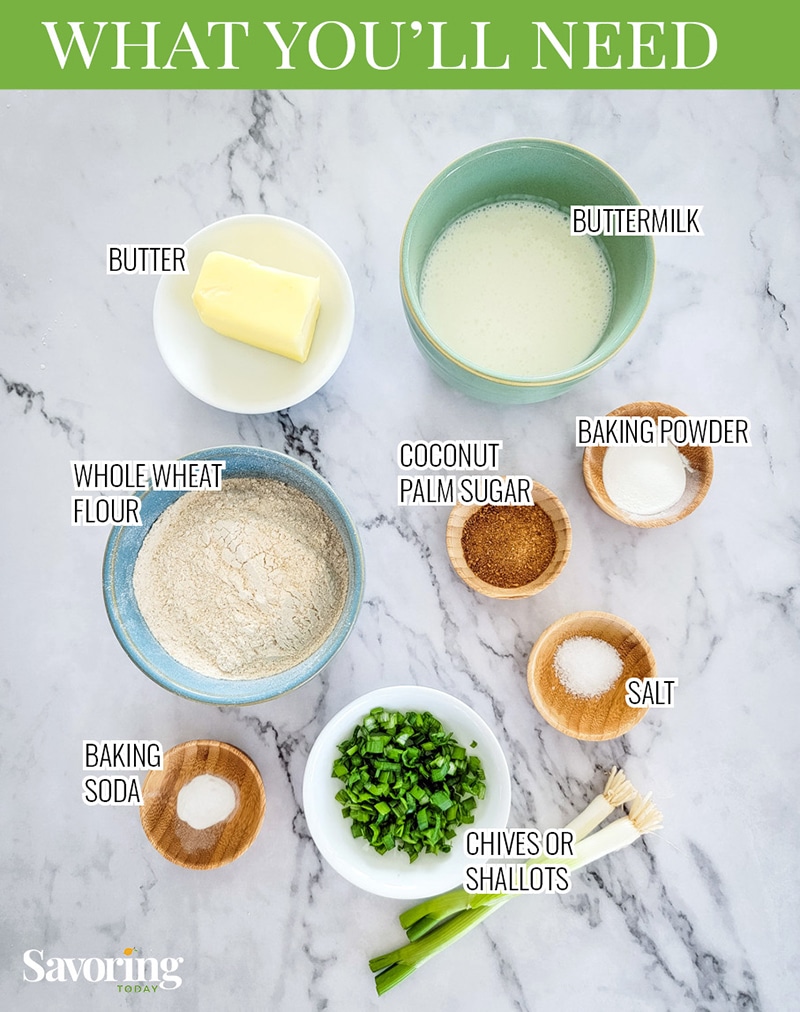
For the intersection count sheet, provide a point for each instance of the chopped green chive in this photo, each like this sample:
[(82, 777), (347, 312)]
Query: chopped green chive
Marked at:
[(408, 784)]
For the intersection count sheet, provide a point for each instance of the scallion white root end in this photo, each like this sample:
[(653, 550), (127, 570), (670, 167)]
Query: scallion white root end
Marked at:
[(437, 922), (618, 789), (644, 815)]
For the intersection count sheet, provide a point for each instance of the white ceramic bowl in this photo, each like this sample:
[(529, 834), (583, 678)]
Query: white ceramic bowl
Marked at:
[(238, 377), (392, 874)]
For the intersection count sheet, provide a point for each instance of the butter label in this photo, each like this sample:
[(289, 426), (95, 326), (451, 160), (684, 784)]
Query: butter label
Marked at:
[(127, 258)]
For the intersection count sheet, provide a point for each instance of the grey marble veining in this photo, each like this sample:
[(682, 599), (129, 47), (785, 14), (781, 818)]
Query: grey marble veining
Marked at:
[(701, 916)]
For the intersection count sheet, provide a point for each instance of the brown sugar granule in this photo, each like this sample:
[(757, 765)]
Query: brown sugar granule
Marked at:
[(508, 546)]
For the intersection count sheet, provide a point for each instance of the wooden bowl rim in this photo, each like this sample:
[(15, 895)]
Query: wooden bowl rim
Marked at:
[(563, 529), (593, 457), (574, 625), (252, 773)]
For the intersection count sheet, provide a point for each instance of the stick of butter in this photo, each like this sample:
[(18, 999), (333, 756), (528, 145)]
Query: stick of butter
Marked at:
[(263, 306)]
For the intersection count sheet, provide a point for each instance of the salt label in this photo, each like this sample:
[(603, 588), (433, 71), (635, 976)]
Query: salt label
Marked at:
[(643, 692)]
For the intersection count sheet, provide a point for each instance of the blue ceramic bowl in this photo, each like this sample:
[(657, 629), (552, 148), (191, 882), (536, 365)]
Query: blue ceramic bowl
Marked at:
[(549, 172), (135, 636)]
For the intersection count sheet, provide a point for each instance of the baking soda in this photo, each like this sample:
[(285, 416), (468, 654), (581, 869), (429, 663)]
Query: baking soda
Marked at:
[(205, 801)]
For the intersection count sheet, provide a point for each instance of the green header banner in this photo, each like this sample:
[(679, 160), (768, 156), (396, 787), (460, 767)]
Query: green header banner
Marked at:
[(569, 44)]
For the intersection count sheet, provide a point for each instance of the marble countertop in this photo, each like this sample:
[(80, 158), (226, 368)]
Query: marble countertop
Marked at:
[(701, 916)]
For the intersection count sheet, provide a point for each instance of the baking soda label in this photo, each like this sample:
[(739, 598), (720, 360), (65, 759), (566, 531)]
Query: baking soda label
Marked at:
[(112, 791), (122, 754), (117, 756)]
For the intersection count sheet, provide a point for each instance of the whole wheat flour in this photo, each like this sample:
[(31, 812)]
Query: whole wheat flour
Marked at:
[(244, 582)]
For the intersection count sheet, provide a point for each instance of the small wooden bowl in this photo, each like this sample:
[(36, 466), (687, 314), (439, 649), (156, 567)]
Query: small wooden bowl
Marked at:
[(553, 507), (221, 843), (602, 717), (698, 480)]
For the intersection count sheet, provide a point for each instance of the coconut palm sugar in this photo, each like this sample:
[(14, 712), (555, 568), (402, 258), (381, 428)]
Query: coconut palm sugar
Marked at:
[(508, 546)]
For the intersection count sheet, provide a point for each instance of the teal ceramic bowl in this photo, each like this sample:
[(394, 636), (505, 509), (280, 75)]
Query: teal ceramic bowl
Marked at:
[(145, 650), (549, 172)]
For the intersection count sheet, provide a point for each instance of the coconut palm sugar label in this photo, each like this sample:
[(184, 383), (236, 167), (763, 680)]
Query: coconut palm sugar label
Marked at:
[(449, 489)]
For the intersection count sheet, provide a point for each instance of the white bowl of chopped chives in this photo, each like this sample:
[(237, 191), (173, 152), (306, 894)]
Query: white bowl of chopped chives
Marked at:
[(381, 779)]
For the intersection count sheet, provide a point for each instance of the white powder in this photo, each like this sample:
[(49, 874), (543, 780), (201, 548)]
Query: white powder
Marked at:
[(644, 480), (205, 801), (244, 582), (587, 666)]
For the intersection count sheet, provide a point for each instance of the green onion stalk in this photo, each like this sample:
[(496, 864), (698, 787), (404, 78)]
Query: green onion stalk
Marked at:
[(436, 923)]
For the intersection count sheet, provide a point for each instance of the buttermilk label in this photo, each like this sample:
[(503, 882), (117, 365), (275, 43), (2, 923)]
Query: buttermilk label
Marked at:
[(680, 430), (522, 860), (666, 219), (118, 755), (457, 455), (130, 477)]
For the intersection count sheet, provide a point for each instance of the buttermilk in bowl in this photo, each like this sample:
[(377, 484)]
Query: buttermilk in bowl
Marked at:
[(509, 290)]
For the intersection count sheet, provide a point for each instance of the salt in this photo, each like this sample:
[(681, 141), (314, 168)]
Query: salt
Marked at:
[(587, 666), (205, 801), (644, 480)]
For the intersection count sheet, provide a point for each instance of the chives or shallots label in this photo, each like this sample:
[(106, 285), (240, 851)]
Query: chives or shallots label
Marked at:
[(118, 755), (126, 258), (646, 692), (134, 476), (526, 860), (517, 878), (679, 430), (491, 844)]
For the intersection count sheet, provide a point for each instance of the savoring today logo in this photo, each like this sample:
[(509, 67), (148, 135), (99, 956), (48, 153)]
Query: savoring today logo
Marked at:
[(129, 973)]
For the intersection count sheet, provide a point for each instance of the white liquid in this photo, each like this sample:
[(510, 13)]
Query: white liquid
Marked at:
[(509, 290)]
